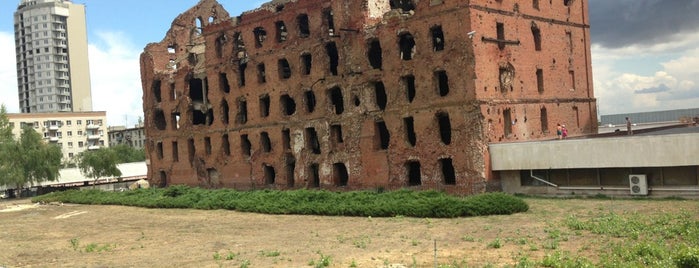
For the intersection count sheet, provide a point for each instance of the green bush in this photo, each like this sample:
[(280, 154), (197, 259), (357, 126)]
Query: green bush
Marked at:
[(408, 203)]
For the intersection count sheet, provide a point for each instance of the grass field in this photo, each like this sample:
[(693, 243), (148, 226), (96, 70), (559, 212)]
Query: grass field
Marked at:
[(553, 233)]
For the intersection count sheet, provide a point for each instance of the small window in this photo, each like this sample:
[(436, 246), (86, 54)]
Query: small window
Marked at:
[(310, 100), (333, 57), (444, 125), (288, 104), (380, 95), (374, 54), (414, 173), (336, 99), (340, 174), (281, 31), (284, 69), (442, 82), (265, 142), (437, 38), (500, 28), (304, 28), (448, 172), (409, 85), (260, 36), (306, 61), (540, 80), (536, 35), (312, 140), (261, 74), (382, 137), (245, 145), (409, 124), (406, 46), (544, 120), (264, 105)]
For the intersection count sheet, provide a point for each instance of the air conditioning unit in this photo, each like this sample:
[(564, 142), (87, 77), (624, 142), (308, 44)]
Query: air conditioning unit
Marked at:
[(638, 184)]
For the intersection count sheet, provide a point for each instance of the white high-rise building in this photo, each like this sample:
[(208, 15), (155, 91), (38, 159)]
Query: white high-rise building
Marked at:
[(53, 73)]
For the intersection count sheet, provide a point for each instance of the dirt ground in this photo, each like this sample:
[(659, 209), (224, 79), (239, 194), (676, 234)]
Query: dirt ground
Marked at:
[(68, 235)]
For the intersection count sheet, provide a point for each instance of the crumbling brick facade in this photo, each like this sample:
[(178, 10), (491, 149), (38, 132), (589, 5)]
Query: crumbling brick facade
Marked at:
[(362, 94)]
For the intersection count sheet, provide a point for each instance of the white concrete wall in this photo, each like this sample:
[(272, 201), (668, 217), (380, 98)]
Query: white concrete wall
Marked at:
[(626, 151)]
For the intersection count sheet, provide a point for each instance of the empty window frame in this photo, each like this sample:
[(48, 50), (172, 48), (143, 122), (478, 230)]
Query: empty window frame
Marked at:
[(409, 125), (269, 174), (282, 32), (314, 171), (286, 139), (312, 141), (223, 83), (336, 134), (437, 38), (260, 36), (405, 5), (306, 63), (442, 81), (225, 145), (340, 174), (224, 112), (536, 36), (290, 164), (444, 124), (288, 104), (156, 90), (304, 27), (245, 145), (507, 121), (375, 54), (261, 73), (500, 28), (329, 21), (242, 116), (309, 98), (409, 85), (207, 145), (540, 80), (336, 99), (333, 57), (414, 173), (380, 95), (242, 66), (159, 119), (535, 4), (265, 142), (571, 73), (406, 45), (159, 149), (264, 105), (191, 150), (382, 137), (448, 172), (284, 69), (175, 152), (544, 120)]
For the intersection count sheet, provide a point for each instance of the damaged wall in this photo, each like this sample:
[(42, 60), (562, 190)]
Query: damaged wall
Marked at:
[(358, 94)]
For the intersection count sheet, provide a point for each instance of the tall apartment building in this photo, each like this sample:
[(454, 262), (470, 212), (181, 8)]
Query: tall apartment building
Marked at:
[(73, 132), (362, 94), (53, 74)]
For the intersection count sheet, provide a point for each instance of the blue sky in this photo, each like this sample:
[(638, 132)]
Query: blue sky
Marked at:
[(645, 53)]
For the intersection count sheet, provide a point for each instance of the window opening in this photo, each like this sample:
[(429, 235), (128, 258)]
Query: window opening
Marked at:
[(409, 84), (304, 28), (536, 35), (173, 92), (159, 147), (261, 76), (405, 5), (569, 36), (444, 127), (414, 173), (310, 100), (312, 140), (260, 36), (220, 41), (448, 173), (196, 89), (270, 175), (540, 80), (284, 69), (535, 4), (375, 59), (500, 28), (191, 150), (442, 82), (382, 137), (437, 38), (406, 46), (175, 120), (159, 118), (242, 116), (226, 145), (577, 115), (224, 112), (264, 105), (223, 83), (333, 57), (328, 15), (245, 145), (288, 104), (315, 176), (306, 61), (210, 117), (238, 43), (336, 133), (544, 120), (572, 79), (241, 74), (567, 2), (175, 152), (507, 74), (207, 145), (156, 90), (340, 174), (286, 139), (507, 121), (198, 26), (163, 179), (410, 136), (265, 142), (281, 31), (380, 95), (290, 169), (336, 100)]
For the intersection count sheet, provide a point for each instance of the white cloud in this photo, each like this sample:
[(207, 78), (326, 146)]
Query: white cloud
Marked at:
[(674, 85), (115, 78), (8, 73)]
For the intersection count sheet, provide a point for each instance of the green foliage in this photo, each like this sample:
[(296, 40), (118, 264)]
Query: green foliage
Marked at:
[(428, 204), (127, 154), (687, 257), (98, 163), (27, 160)]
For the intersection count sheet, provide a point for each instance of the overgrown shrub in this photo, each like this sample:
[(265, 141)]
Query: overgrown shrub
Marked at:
[(307, 202)]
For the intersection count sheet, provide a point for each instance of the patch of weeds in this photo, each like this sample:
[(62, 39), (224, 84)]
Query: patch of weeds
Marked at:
[(273, 253), (353, 264), (245, 264), (92, 247), (415, 243), (322, 261), (217, 256), (495, 243), (341, 239), (551, 244), (75, 243), (230, 256), (362, 242), (521, 241), (468, 238)]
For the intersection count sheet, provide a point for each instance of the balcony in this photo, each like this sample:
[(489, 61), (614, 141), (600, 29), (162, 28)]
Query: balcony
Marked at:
[(93, 126), (93, 147), (54, 139), (53, 128), (93, 136)]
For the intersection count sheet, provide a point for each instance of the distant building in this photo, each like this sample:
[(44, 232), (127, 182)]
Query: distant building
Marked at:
[(651, 117), (53, 73), (73, 132), (133, 137)]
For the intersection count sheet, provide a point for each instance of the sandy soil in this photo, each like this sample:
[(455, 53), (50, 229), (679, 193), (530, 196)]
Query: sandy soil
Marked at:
[(68, 235)]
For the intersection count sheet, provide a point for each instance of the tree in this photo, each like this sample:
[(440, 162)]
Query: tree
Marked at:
[(28, 160), (127, 154), (98, 163)]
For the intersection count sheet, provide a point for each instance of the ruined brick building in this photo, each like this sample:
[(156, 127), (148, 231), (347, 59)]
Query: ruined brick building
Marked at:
[(354, 94)]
